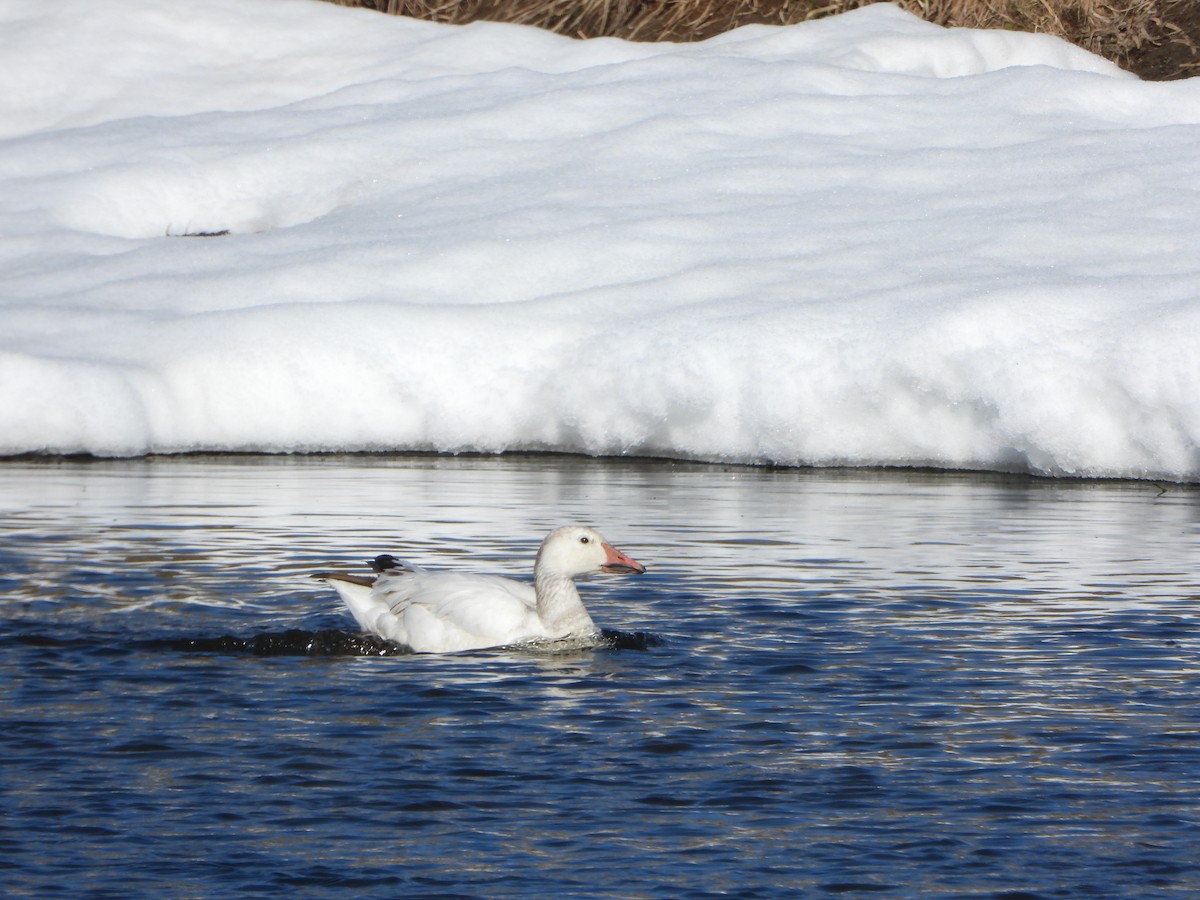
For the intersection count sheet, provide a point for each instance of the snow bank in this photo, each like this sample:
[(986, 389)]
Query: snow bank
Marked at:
[(863, 240)]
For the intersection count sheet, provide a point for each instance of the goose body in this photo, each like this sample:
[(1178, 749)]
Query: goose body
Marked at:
[(444, 612)]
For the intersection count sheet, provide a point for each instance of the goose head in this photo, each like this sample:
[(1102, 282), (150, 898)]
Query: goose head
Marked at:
[(574, 551)]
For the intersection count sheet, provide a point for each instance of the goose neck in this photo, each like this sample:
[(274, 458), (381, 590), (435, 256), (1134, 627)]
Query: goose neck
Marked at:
[(559, 606)]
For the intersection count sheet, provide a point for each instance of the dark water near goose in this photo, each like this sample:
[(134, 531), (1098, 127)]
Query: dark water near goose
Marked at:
[(828, 684)]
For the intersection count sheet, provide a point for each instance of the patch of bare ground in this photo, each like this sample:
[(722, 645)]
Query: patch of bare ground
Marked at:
[(1156, 39)]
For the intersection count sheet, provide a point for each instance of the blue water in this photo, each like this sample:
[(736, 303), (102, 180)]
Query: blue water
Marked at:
[(846, 685)]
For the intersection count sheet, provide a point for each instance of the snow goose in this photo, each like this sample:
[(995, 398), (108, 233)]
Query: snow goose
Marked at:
[(442, 612)]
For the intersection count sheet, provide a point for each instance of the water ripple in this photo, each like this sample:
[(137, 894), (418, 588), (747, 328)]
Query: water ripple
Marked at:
[(828, 684)]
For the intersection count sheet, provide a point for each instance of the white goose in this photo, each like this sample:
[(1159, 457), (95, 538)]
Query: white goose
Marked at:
[(442, 612)]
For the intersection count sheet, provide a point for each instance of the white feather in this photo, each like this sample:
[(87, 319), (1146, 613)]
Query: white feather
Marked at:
[(441, 612)]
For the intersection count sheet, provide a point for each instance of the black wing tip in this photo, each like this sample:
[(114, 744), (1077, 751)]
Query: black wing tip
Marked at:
[(385, 562)]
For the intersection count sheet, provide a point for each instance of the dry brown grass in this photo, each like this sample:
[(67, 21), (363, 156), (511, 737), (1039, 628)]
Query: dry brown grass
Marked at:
[(1157, 38), (1116, 29)]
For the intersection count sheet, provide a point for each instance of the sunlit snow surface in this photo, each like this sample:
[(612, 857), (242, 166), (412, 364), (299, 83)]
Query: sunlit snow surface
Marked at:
[(863, 240)]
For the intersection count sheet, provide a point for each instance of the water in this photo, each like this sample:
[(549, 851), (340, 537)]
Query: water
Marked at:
[(854, 685)]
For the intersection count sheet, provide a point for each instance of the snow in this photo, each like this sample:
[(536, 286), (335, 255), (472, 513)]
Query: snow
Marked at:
[(864, 240)]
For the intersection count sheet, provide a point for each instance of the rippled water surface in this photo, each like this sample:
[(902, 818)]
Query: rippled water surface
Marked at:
[(879, 684)]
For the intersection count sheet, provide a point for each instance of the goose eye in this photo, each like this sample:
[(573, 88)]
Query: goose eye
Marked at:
[(585, 539)]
